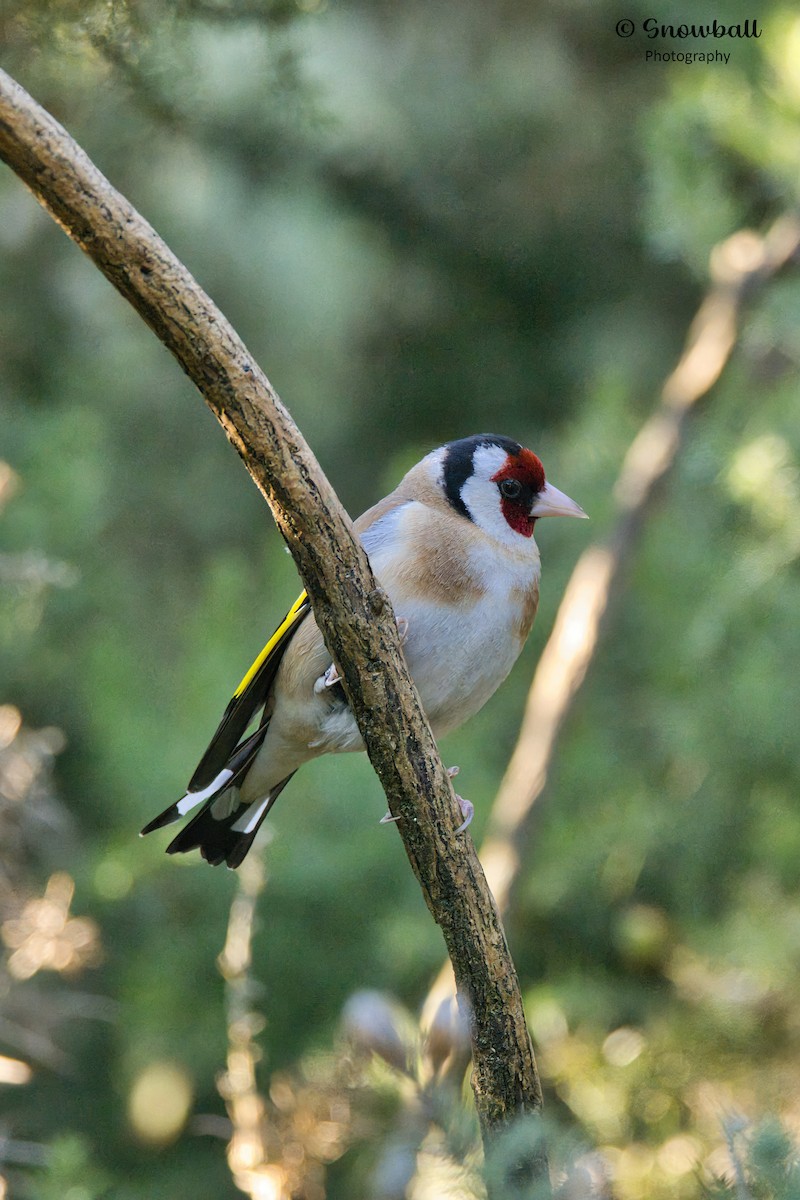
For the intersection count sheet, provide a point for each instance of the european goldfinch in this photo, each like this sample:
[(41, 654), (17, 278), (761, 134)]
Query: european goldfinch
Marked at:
[(453, 547)]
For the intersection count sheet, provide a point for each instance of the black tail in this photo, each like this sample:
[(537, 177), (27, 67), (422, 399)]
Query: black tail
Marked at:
[(218, 839), (225, 763), (238, 766)]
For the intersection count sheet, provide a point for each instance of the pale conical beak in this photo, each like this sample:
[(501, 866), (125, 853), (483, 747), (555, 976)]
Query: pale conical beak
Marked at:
[(552, 503)]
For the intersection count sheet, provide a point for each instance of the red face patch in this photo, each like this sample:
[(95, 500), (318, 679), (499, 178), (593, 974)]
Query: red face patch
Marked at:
[(526, 469)]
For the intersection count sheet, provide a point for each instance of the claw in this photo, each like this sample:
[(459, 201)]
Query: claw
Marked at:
[(466, 806), (331, 676), (467, 812), (328, 680)]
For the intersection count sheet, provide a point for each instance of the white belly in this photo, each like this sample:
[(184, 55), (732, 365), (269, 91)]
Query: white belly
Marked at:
[(458, 660)]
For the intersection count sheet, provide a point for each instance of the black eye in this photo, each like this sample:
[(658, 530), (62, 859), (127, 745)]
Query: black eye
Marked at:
[(511, 489)]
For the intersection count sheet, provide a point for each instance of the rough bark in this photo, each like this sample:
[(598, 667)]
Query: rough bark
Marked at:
[(353, 613)]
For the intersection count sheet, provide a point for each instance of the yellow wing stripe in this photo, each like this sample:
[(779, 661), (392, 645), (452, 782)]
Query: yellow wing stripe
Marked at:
[(285, 625)]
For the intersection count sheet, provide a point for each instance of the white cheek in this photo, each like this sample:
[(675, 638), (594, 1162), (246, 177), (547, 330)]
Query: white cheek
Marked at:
[(482, 499)]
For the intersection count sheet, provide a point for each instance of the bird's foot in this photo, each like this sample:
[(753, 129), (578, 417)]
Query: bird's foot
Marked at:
[(327, 680), (331, 677), (466, 806), (467, 812)]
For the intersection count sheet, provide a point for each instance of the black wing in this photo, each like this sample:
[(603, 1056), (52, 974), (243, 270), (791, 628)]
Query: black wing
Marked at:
[(227, 759), (249, 696)]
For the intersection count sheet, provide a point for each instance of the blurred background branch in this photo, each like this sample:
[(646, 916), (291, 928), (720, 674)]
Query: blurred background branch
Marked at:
[(38, 932), (739, 266), (248, 1157), (437, 219)]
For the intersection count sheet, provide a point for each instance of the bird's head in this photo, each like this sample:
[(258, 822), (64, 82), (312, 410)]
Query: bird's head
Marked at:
[(500, 486)]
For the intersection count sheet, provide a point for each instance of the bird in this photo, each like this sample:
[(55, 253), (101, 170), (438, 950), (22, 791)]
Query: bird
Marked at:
[(453, 546)]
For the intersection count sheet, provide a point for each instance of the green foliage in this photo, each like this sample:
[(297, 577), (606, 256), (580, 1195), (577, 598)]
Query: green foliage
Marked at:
[(425, 221), (766, 1164), (69, 1174), (508, 1165)]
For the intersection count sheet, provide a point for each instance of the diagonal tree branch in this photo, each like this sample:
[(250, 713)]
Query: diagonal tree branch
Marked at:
[(353, 613)]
